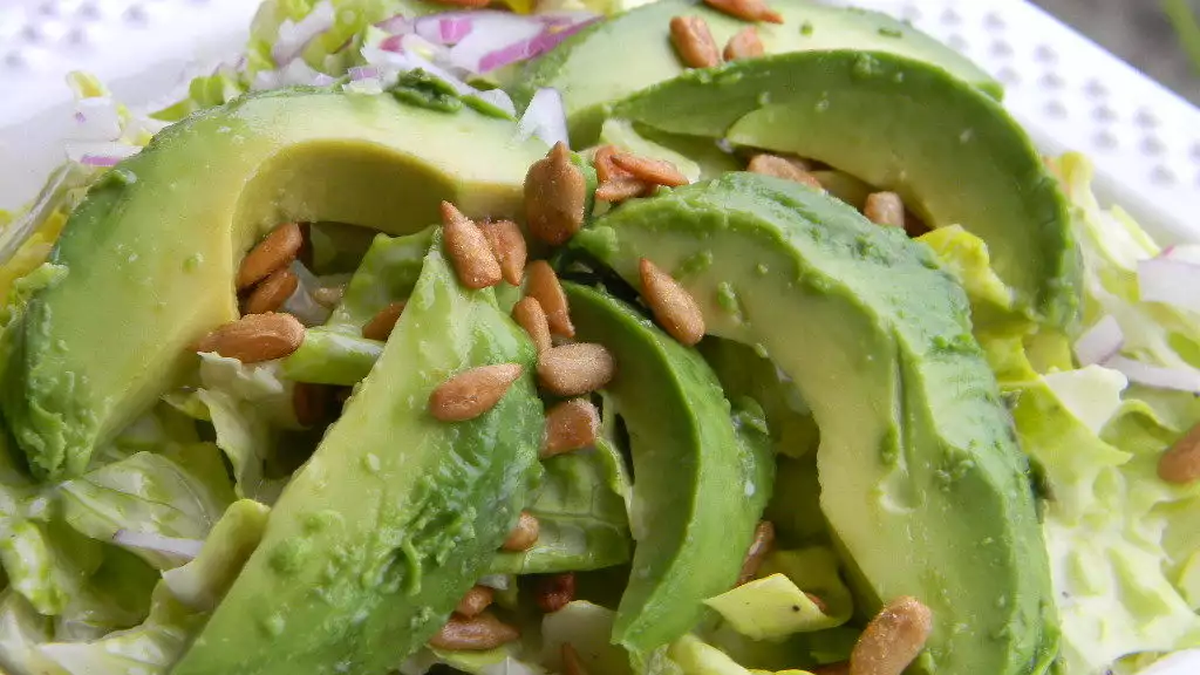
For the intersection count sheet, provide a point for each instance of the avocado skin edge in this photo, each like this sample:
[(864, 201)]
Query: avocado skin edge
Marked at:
[(966, 160), (396, 515), (693, 514), (922, 478)]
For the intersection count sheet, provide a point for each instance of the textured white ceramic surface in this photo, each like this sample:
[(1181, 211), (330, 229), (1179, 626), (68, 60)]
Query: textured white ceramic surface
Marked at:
[(1068, 92)]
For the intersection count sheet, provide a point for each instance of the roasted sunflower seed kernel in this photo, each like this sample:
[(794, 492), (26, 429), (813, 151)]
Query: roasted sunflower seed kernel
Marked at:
[(310, 403), (884, 208), (780, 167), (571, 661), (270, 295), (474, 602), (746, 10), (745, 44), (508, 245), (838, 668), (570, 425), (674, 308), (760, 546), (479, 633), (381, 325), (1180, 464), (606, 170), (893, 639), (329, 296), (255, 338), (468, 249), (694, 42), (472, 392), (528, 314), (620, 189), (555, 197), (652, 171), (575, 369), (544, 286), (555, 591), (524, 535), (276, 251)]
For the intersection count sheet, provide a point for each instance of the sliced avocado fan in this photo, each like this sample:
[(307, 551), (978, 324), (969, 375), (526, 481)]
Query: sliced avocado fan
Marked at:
[(397, 514), (161, 237), (952, 153), (700, 483), (922, 481), (587, 68)]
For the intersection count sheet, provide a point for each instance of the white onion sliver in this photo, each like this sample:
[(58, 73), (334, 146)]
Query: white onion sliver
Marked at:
[(545, 118), (1178, 379), (294, 37), (96, 119), (99, 151), (301, 303), (500, 99), (184, 548), (1100, 343), (1171, 281)]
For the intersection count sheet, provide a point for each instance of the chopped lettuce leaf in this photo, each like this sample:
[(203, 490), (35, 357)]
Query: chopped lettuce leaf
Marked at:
[(587, 628), (388, 272), (581, 510), (332, 355), (22, 629), (966, 257), (770, 608), (117, 596), (814, 570), (48, 563), (179, 495), (696, 657), (201, 583)]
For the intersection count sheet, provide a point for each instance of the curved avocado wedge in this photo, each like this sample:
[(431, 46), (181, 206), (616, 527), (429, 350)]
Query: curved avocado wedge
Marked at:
[(952, 153), (396, 515), (699, 486), (152, 252), (921, 478), (587, 67)]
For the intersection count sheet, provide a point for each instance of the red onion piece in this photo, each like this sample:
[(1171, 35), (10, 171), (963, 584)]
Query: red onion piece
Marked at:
[(545, 118), (294, 37), (1100, 343)]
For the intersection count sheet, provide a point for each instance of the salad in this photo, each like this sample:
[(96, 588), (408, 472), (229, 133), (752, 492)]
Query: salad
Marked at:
[(669, 338)]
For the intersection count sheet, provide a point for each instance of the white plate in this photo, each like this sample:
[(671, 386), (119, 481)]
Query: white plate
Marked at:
[(1068, 92)]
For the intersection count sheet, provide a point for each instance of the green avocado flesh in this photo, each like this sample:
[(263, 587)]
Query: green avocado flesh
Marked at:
[(173, 222), (951, 152), (397, 514), (586, 69), (697, 493), (921, 479)]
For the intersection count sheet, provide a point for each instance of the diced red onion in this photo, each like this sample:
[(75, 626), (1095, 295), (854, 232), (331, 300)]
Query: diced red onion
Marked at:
[(364, 73), (183, 548), (545, 118), (1100, 343), (1171, 281), (396, 25), (96, 119), (368, 86), (393, 43), (294, 37), (391, 63), (1178, 379), (493, 31), (447, 28)]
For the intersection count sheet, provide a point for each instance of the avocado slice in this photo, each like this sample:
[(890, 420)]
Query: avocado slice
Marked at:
[(921, 478), (586, 67), (164, 234), (952, 153), (396, 515), (699, 488)]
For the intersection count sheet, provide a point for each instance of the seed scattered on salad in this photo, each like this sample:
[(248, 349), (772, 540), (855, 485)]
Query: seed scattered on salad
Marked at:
[(885, 208), (468, 249), (555, 197), (617, 190), (570, 425), (310, 403), (276, 251), (270, 295), (524, 535), (255, 338), (836, 668), (381, 325), (544, 286), (782, 167), (555, 591), (1180, 464), (575, 369), (529, 315), (747, 10), (479, 633), (473, 392), (571, 661), (508, 245), (674, 308), (760, 546), (694, 42), (329, 296), (892, 639), (745, 44), (649, 170), (475, 601), (816, 600)]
